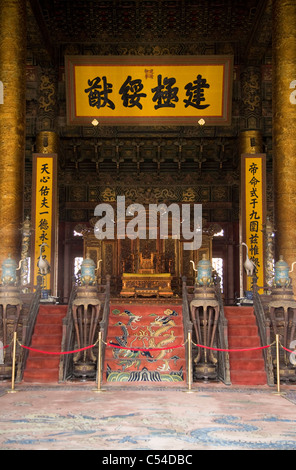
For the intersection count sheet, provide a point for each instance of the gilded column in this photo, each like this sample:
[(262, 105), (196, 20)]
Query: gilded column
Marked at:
[(12, 124), (251, 102), (250, 138), (284, 126), (47, 142), (250, 141), (47, 137)]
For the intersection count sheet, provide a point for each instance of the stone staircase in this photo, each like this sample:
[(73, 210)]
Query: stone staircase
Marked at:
[(47, 336), (246, 367), (134, 328)]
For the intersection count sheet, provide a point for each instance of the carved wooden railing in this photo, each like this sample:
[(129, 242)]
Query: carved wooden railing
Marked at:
[(187, 323), (104, 323), (27, 330), (222, 338), (69, 337), (223, 368), (263, 327)]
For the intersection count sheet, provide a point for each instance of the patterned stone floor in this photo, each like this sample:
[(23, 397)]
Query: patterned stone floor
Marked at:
[(129, 419)]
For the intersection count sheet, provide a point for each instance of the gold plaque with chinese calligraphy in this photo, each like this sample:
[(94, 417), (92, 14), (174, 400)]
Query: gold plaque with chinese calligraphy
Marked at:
[(253, 201), (149, 90), (44, 203)]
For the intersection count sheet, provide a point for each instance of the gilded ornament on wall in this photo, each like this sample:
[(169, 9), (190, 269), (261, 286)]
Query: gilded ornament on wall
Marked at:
[(109, 195), (188, 195), (47, 101), (251, 91)]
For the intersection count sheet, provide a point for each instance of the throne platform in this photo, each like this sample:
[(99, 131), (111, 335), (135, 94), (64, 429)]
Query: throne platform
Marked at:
[(146, 282)]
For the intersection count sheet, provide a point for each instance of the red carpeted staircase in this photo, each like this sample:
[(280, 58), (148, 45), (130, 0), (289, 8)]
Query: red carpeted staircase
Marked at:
[(246, 367), (47, 337), (143, 327)]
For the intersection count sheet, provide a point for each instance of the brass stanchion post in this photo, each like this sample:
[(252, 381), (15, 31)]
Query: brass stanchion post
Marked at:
[(189, 381), (13, 365), (278, 364), (99, 367), (278, 380), (189, 361)]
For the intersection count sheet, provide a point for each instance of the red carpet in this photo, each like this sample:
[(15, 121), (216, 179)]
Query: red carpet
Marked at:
[(145, 327), (47, 337), (246, 367)]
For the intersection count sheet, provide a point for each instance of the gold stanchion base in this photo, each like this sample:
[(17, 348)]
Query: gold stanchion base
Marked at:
[(279, 393), (99, 390), (12, 391), (189, 390)]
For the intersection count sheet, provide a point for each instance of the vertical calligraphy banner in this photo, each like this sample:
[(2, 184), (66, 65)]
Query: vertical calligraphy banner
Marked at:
[(253, 201), (44, 217)]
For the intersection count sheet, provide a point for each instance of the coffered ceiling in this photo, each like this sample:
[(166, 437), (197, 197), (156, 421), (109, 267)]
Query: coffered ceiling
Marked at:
[(240, 27), (155, 157)]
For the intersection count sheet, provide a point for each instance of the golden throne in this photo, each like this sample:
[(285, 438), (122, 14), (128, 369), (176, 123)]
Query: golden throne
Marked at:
[(147, 282), (146, 263)]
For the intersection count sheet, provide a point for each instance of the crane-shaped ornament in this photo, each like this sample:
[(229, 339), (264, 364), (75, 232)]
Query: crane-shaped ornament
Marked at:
[(249, 265), (43, 264)]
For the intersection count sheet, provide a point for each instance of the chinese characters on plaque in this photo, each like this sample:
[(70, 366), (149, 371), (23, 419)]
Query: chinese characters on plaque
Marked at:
[(165, 95), (43, 214), (253, 211), (149, 90)]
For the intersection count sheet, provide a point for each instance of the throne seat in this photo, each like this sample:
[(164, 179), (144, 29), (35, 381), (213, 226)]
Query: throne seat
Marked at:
[(146, 285)]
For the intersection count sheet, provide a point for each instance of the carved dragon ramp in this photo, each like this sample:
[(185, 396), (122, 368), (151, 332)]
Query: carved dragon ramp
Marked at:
[(145, 343)]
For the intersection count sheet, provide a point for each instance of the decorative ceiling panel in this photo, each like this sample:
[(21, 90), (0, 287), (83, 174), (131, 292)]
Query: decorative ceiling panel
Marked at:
[(89, 20)]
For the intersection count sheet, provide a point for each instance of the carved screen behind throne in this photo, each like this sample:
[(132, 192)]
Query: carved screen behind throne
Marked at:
[(146, 263), (127, 255), (133, 256), (147, 257)]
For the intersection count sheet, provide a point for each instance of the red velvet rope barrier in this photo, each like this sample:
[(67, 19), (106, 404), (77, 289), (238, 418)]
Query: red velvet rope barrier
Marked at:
[(233, 350), (51, 352), (289, 350), (181, 345), (143, 349), (4, 347)]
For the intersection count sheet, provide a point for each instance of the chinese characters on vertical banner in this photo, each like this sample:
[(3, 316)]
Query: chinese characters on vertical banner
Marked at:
[(149, 90), (43, 213), (253, 199)]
